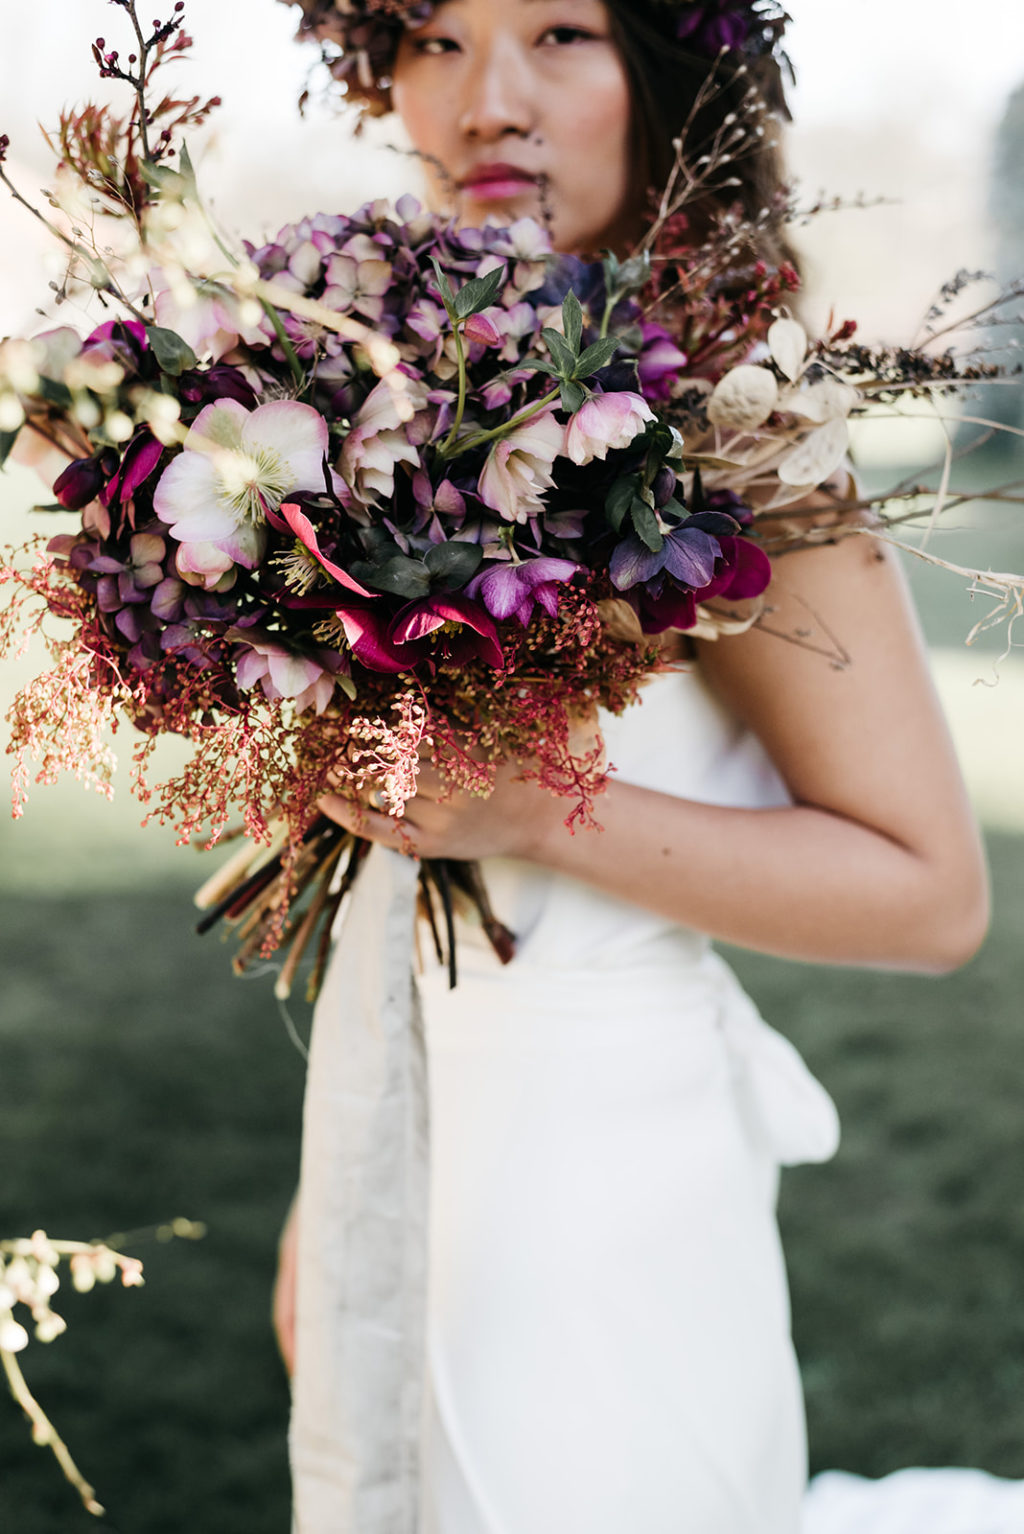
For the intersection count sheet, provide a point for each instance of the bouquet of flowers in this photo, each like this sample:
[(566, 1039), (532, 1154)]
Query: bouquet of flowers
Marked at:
[(384, 489)]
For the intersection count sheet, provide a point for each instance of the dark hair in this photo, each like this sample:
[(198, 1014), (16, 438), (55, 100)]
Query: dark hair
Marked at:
[(359, 42), (666, 80)]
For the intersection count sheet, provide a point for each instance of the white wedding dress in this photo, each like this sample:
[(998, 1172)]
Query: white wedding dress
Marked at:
[(608, 1326)]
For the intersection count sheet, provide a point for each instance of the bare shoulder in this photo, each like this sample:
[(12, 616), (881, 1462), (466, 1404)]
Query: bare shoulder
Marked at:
[(835, 681)]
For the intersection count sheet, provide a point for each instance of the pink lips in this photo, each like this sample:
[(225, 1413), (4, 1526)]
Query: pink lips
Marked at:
[(494, 182)]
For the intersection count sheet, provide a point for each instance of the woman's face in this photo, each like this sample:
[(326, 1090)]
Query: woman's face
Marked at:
[(523, 107)]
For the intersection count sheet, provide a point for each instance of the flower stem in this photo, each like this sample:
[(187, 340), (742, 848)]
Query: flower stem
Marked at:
[(479, 438), (45, 1434), (460, 408), (291, 356)]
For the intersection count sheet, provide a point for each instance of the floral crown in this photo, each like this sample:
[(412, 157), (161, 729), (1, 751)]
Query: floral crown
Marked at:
[(359, 36)]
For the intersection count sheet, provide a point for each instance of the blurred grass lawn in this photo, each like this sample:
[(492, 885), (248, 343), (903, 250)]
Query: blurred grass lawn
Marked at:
[(139, 1081)]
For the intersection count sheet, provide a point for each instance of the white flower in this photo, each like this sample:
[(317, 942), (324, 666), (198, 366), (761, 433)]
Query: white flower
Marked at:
[(518, 468), (605, 422), (236, 464), (13, 1336)]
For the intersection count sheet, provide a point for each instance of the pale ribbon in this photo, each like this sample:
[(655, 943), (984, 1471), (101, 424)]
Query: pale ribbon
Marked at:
[(364, 1202)]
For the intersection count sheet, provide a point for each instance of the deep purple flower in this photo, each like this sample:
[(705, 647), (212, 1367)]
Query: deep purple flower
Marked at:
[(121, 341), (129, 580), (140, 459), (711, 25), (80, 483), (688, 554), (512, 589), (744, 571), (447, 627), (457, 628), (659, 362), (201, 386)]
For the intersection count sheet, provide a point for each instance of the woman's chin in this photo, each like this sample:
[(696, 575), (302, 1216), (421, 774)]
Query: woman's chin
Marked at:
[(498, 205)]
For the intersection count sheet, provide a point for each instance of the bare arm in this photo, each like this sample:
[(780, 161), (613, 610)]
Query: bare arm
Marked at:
[(876, 862)]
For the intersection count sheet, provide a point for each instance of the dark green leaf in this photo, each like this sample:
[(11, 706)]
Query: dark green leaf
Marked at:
[(453, 563), (620, 498), (697, 498), (55, 393), (185, 164), (538, 365), (174, 355), (561, 351), (646, 525), (574, 396), (634, 273), (478, 294), (597, 356), (400, 575), (443, 283), (572, 320), (7, 441), (49, 506)]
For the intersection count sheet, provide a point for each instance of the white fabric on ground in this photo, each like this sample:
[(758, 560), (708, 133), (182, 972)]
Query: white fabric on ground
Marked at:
[(915, 1502)]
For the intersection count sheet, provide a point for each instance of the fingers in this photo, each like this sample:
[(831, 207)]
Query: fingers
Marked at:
[(368, 823), (283, 1312)]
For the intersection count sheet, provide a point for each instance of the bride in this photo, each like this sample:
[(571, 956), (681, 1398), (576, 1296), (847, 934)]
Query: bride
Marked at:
[(608, 1332)]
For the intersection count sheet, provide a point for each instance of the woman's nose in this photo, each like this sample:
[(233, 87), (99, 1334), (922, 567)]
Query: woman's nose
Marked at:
[(497, 98)]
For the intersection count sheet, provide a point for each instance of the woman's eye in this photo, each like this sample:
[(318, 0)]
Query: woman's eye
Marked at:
[(433, 46), (563, 36)]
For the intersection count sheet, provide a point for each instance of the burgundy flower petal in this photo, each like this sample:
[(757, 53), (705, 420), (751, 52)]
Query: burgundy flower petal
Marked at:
[(745, 571)]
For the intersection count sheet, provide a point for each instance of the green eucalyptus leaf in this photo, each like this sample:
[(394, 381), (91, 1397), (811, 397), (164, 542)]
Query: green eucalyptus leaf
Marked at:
[(572, 320), (49, 506), (634, 273), (443, 284), (574, 396), (620, 498), (399, 575), (454, 562), (347, 686), (597, 357), (7, 441), (174, 355), (562, 353), (645, 524), (478, 294)]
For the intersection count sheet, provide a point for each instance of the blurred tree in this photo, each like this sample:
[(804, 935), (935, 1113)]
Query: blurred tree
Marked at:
[(1006, 210)]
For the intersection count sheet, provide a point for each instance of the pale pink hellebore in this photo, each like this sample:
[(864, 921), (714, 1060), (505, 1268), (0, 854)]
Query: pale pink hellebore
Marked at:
[(604, 423), (282, 674), (237, 463), (518, 468)]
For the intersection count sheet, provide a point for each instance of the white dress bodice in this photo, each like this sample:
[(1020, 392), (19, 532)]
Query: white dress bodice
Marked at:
[(608, 1320), (678, 740)]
